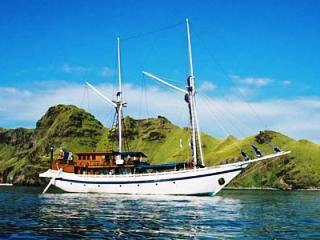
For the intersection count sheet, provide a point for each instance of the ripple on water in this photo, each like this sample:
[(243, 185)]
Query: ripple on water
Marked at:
[(234, 214)]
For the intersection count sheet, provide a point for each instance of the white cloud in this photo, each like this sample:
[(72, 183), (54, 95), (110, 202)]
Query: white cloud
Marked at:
[(243, 91), (253, 81), (103, 71), (207, 86), (298, 118), (106, 72), (73, 69), (8, 91), (286, 83)]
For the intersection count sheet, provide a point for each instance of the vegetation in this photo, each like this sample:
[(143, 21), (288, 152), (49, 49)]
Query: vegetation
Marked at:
[(24, 152)]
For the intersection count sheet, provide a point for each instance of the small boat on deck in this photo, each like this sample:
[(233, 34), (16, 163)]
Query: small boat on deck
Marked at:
[(129, 173)]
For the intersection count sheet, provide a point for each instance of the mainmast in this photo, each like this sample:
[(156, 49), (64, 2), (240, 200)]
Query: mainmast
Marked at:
[(190, 93), (195, 132)]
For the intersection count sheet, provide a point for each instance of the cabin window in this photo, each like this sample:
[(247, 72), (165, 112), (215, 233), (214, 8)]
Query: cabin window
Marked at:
[(94, 157), (123, 171)]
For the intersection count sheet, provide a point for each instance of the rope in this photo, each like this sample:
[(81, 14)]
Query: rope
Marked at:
[(220, 125), (226, 113), (126, 142), (143, 34), (113, 124), (226, 76)]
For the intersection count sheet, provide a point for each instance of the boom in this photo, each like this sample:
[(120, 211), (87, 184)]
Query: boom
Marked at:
[(101, 95), (164, 82)]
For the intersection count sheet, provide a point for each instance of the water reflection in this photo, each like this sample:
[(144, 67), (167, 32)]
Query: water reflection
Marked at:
[(234, 214)]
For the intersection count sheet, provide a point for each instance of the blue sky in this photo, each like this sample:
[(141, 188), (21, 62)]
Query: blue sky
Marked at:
[(269, 49)]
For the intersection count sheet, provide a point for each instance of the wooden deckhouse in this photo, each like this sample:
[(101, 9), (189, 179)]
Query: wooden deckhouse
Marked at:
[(102, 162)]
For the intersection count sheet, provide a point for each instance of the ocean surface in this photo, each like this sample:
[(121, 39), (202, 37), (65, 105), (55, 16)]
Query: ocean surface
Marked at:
[(240, 214)]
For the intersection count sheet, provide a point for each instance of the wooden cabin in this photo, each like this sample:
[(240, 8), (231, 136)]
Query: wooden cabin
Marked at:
[(102, 162)]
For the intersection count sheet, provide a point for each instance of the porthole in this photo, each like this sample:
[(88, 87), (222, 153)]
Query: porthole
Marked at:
[(84, 185), (221, 181), (138, 185), (98, 185), (71, 183), (120, 186), (174, 182), (156, 184)]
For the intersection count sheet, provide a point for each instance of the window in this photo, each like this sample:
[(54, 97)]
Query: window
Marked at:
[(93, 157)]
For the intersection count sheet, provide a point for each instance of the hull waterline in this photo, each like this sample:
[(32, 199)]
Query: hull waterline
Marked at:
[(202, 181), (206, 181)]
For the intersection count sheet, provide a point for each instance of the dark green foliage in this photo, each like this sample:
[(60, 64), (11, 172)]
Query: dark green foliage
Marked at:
[(264, 137)]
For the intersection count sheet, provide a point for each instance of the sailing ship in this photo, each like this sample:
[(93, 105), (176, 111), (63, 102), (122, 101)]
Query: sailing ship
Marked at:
[(122, 172)]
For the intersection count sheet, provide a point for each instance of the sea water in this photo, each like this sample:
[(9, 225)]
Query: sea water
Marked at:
[(240, 214)]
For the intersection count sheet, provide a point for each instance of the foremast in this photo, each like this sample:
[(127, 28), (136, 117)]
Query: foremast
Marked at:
[(118, 104)]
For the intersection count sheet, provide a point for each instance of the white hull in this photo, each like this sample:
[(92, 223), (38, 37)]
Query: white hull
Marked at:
[(203, 181), (190, 182)]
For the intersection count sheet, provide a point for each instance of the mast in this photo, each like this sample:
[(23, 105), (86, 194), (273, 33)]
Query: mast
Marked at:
[(118, 103), (192, 106), (119, 98), (191, 100), (191, 92)]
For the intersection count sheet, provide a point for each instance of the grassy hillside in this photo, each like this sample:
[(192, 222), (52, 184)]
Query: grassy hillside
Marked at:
[(24, 152)]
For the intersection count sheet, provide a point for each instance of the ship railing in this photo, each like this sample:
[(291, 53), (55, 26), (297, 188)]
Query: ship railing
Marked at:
[(240, 164)]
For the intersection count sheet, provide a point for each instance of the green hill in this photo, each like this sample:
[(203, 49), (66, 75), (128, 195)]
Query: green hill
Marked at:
[(24, 152)]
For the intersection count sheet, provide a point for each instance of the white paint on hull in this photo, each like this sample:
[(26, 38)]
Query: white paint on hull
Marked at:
[(189, 182), (186, 182)]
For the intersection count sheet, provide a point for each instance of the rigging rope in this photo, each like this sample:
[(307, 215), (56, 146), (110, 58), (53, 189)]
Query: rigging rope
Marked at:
[(226, 76), (143, 34), (228, 114), (219, 124)]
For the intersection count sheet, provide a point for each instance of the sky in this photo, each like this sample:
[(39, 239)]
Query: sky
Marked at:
[(256, 63)]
